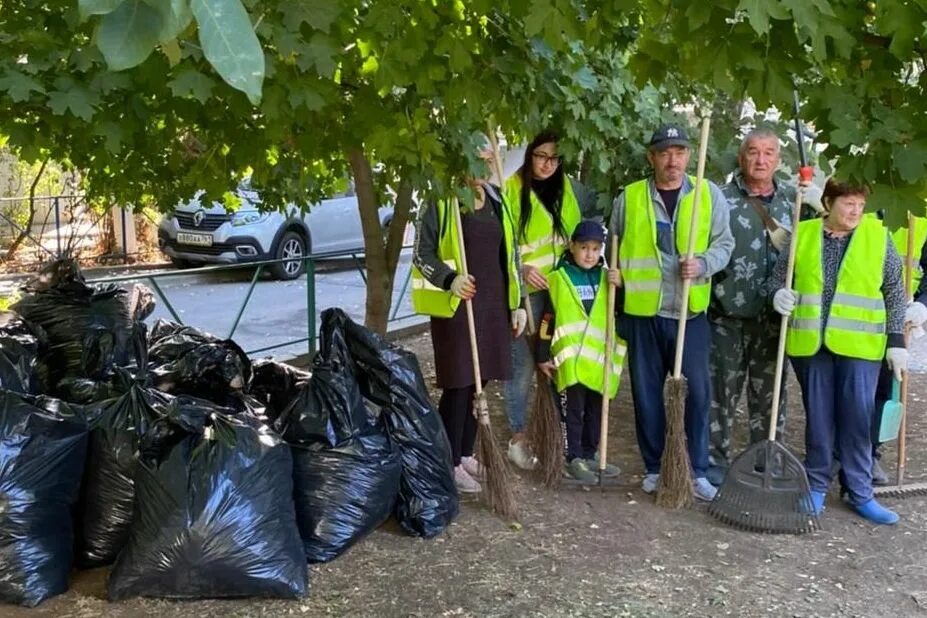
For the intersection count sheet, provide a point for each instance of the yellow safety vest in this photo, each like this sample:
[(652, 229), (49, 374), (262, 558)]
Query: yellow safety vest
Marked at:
[(856, 322), (900, 238), (640, 259), (431, 300), (578, 343), (540, 245)]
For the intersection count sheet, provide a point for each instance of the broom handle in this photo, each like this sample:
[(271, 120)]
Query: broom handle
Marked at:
[(609, 344), (690, 250), (784, 320), (497, 167), (908, 277), (482, 417)]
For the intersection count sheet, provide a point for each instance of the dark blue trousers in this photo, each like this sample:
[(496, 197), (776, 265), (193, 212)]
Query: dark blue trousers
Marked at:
[(839, 397), (651, 351)]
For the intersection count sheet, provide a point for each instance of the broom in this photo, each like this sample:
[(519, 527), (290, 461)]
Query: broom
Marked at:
[(674, 490), (900, 490), (543, 432), (607, 365), (498, 484)]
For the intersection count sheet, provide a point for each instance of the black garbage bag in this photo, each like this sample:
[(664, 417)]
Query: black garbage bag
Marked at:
[(276, 384), (214, 511), (107, 499), (43, 443), (391, 377), (346, 470), (89, 328), (21, 345), (185, 360)]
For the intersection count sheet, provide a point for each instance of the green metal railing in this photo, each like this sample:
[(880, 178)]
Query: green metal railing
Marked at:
[(309, 262)]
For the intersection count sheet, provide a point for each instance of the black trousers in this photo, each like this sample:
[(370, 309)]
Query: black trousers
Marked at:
[(456, 409), (583, 421)]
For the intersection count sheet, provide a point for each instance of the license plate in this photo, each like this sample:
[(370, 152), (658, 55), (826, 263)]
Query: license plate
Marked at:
[(200, 240)]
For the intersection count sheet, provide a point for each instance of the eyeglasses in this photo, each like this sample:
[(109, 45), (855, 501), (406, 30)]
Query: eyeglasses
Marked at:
[(541, 157)]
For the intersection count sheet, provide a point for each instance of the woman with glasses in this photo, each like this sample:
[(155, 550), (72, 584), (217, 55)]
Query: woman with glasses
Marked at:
[(545, 208)]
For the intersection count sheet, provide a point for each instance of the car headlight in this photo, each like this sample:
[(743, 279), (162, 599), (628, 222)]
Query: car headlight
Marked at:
[(248, 218)]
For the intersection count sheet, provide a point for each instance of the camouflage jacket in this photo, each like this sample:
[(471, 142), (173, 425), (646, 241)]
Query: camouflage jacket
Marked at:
[(739, 290)]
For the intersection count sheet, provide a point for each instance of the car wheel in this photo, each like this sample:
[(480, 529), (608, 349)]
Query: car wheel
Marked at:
[(180, 264), (291, 245)]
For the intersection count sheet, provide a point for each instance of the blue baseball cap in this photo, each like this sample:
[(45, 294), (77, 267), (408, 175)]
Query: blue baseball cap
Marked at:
[(589, 230), (669, 135)]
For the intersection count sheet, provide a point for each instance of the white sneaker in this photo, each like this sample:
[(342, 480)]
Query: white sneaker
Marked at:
[(464, 482), (704, 490), (520, 456), (472, 467), (649, 484)]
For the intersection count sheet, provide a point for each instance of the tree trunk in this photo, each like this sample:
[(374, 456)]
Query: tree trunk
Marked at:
[(27, 229), (381, 256)]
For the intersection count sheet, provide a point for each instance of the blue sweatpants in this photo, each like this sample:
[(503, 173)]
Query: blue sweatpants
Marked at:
[(518, 388), (839, 397), (651, 351)]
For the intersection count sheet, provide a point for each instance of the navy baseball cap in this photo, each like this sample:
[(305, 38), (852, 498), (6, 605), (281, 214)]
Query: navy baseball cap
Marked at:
[(588, 230), (669, 135)]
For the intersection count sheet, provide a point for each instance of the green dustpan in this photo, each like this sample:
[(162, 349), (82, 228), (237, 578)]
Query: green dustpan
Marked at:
[(892, 413)]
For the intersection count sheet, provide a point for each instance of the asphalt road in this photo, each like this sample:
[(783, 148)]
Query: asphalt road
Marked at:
[(277, 310)]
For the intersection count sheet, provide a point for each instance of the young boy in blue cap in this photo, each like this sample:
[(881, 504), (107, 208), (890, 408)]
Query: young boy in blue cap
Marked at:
[(571, 345)]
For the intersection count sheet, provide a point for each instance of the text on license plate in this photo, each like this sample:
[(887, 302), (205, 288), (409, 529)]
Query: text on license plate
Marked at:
[(202, 240)]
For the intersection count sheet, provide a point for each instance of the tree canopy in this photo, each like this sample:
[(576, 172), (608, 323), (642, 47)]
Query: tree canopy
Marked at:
[(156, 99)]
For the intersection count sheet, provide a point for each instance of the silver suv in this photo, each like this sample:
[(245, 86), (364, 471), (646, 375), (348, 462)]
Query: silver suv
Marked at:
[(194, 234)]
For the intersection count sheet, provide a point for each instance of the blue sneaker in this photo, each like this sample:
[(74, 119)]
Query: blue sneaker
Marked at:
[(817, 503), (876, 513)]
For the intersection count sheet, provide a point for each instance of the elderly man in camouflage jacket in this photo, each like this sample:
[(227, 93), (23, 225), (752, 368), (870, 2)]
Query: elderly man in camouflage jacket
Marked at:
[(744, 328)]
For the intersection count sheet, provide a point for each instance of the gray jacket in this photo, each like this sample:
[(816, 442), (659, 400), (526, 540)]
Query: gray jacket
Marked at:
[(427, 234), (714, 259)]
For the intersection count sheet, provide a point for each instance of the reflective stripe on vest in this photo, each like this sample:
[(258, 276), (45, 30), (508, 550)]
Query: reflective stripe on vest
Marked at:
[(855, 326), (578, 343), (540, 246), (429, 299), (640, 259), (900, 238)]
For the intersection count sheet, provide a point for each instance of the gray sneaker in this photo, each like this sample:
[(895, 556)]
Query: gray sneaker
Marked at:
[(578, 468), (879, 477), (611, 470), (649, 484), (704, 490)]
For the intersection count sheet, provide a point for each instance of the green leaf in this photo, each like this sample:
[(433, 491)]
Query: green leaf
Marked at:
[(175, 17), (190, 82), (112, 133), (910, 161), (172, 51), (230, 44), (320, 52), (20, 86), (541, 11), (128, 35), (96, 7), (320, 14), (760, 12), (78, 100)]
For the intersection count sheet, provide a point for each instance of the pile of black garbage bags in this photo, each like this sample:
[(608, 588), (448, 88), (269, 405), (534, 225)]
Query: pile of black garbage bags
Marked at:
[(195, 473)]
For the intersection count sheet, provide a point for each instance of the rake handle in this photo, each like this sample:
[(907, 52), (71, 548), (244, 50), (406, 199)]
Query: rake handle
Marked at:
[(908, 277), (480, 411), (607, 365), (784, 320), (690, 250)]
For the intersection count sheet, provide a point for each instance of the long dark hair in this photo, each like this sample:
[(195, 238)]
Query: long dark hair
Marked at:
[(526, 175)]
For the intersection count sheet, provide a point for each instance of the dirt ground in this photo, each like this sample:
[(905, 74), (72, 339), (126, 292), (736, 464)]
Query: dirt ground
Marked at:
[(582, 552)]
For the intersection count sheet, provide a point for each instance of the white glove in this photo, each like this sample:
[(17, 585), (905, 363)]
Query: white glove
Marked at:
[(463, 286), (519, 321), (784, 301), (915, 314), (778, 237), (897, 360), (811, 195)]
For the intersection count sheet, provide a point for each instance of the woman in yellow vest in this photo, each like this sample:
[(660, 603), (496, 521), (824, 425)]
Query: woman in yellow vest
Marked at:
[(571, 345), (493, 285), (847, 311), (546, 209)]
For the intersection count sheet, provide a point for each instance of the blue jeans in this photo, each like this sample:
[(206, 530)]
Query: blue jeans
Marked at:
[(839, 397), (518, 388), (651, 352)]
